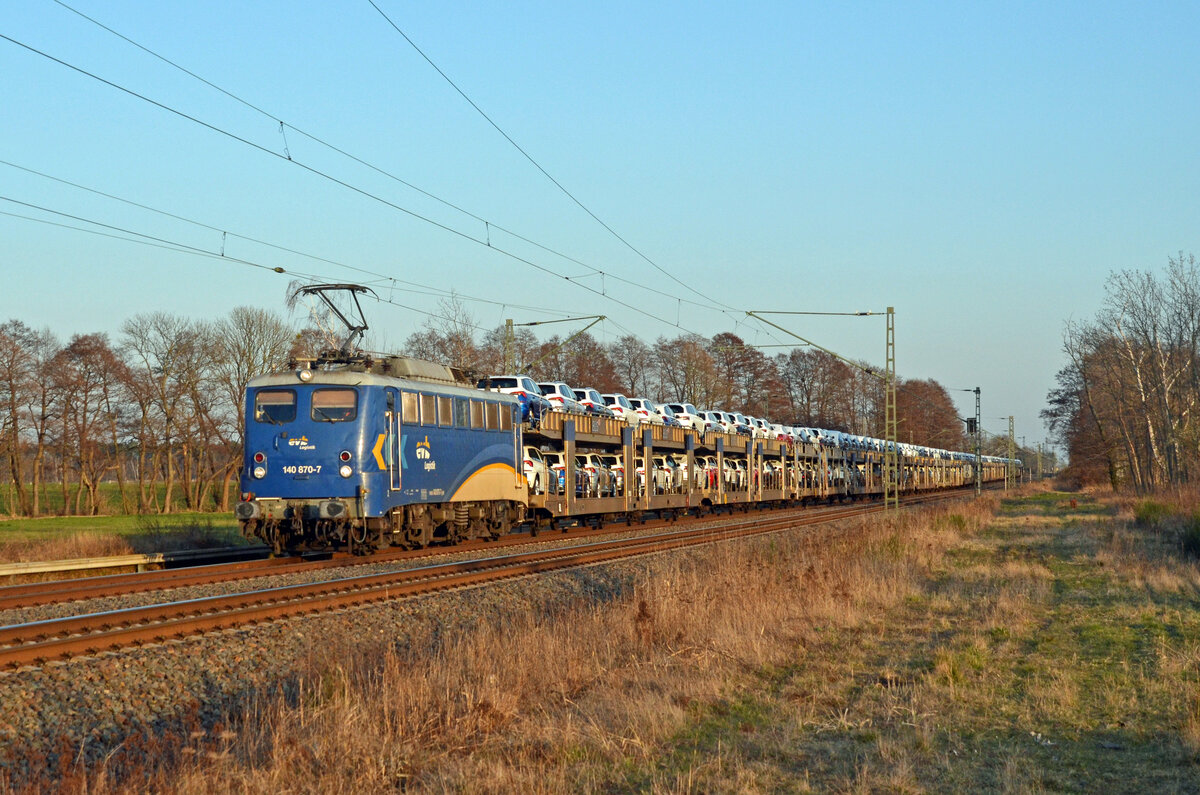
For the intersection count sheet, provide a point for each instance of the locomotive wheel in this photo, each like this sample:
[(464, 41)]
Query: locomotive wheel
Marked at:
[(359, 540), (499, 524), (273, 538)]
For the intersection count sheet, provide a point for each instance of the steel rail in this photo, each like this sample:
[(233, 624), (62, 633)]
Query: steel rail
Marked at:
[(56, 639), (15, 597), (26, 568), (18, 633)]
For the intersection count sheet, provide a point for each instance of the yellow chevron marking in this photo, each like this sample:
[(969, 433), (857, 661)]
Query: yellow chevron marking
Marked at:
[(378, 451)]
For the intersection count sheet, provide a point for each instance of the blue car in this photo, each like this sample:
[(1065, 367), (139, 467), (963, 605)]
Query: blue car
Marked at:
[(524, 389)]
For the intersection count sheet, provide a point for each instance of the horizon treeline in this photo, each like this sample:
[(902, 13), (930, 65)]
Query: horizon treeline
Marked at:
[(158, 411), (1125, 405)]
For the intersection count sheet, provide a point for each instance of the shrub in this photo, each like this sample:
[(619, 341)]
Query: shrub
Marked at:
[(1190, 537), (153, 535), (1149, 513)]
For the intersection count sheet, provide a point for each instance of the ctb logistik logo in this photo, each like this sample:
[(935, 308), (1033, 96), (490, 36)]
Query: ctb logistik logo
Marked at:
[(426, 455)]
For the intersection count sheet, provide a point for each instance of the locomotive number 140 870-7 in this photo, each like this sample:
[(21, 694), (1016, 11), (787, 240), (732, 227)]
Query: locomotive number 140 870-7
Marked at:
[(302, 469)]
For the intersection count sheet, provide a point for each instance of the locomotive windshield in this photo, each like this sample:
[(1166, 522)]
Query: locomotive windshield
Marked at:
[(276, 406), (334, 405)]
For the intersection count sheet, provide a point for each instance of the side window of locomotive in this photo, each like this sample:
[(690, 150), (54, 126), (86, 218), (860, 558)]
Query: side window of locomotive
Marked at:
[(334, 405), (506, 417), (493, 416), (275, 406), (444, 415), (462, 413), (428, 410), (476, 414), (409, 411)]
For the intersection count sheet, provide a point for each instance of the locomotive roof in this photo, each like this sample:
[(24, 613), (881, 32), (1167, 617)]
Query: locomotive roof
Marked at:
[(354, 377)]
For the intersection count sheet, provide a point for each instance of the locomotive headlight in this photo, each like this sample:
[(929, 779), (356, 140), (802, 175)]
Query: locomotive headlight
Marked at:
[(305, 375), (260, 472), (346, 471)]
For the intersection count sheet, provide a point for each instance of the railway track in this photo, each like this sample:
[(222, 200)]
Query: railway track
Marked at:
[(15, 597), (40, 642)]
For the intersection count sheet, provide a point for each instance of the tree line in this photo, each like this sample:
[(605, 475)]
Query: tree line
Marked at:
[(157, 413), (1125, 404), (805, 387)]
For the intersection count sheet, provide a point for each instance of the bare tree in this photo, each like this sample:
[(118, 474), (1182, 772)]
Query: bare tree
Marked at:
[(163, 353), (1134, 380), (43, 404), (632, 363), (491, 355), (450, 339), (91, 371), (16, 384), (246, 343), (686, 370)]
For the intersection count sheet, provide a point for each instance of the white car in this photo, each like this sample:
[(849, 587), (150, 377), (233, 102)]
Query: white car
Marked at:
[(668, 416), (619, 405), (593, 402), (537, 473), (741, 423), (603, 481), (690, 417), (646, 411), (760, 428), (561, 396), (720, 421)]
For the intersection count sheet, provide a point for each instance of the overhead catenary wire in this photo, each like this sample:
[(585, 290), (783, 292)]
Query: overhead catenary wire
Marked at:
[(488, 224), (538, 165), (548, 176), (184, 248), (317, 172), (380, 277), (153, 241)]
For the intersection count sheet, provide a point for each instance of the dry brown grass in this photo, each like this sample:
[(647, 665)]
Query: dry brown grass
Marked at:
[(946, 650), (570, 700), (65, 547)]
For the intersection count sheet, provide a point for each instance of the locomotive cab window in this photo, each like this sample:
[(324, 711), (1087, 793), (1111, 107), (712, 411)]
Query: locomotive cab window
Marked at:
[(275, 406), (334, 405), (476, 414)]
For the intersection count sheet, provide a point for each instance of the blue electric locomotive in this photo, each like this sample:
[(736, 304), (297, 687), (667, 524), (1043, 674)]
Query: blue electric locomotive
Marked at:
[(359, 453)]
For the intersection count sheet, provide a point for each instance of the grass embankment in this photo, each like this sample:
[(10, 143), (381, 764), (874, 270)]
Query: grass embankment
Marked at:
[(109, 496), (1025, 646), (55, 537), (65, 537)]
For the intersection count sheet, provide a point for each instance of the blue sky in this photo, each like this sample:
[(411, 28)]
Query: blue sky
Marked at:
[(979, 166)]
